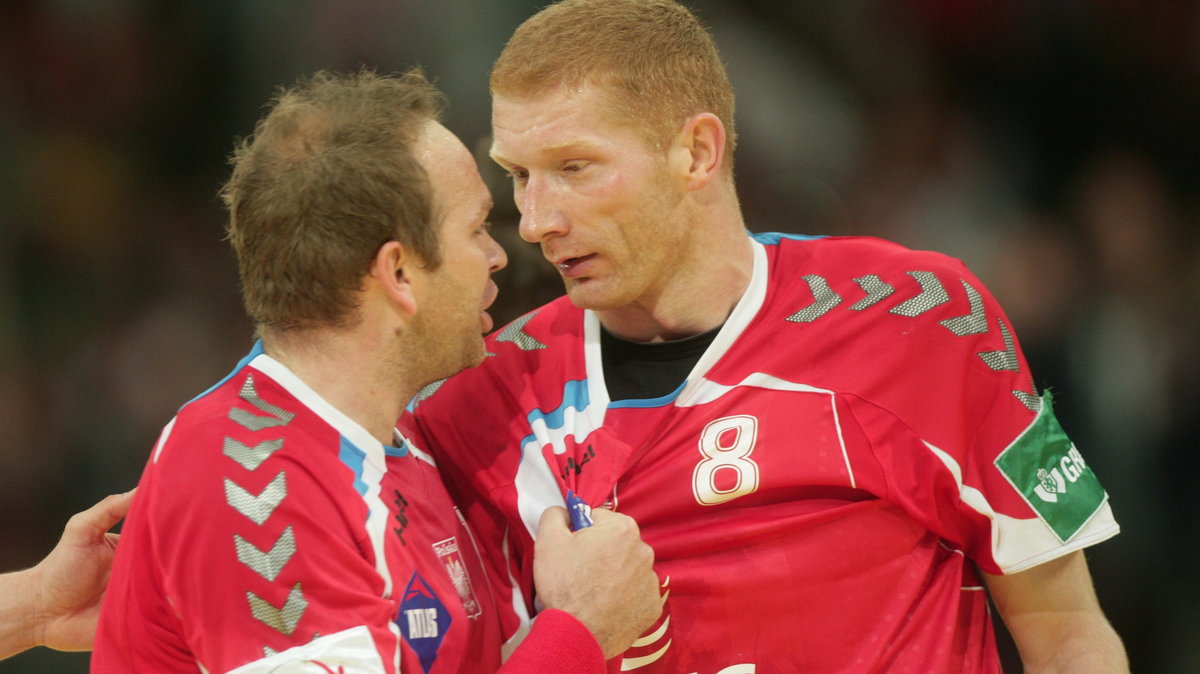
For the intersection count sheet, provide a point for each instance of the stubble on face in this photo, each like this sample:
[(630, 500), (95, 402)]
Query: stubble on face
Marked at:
[(445, 334), (646, 242)]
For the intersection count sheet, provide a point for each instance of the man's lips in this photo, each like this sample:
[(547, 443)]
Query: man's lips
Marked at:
[(490, 292), (489, 295), (572, 267)]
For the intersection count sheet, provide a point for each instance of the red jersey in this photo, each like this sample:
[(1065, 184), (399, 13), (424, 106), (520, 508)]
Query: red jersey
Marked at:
[(862, 434), (270, 532)]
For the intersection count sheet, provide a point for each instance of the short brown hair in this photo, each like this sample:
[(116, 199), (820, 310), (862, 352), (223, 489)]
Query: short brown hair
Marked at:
[(329, 176), (659, 61)]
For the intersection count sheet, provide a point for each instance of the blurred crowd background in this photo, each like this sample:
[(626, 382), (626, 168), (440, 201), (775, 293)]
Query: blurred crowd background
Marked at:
[(1053, 146)]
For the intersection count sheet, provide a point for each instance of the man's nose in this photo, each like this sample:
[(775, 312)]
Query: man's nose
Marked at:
[(541, 215)]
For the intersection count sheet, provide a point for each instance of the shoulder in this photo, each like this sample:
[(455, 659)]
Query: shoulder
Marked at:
[(247, 422), (873, 286), (853, 255), (874, 317), (538, 330), (524, 347)]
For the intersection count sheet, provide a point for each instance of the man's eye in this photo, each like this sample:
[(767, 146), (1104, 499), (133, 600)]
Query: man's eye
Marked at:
[(518, 174)]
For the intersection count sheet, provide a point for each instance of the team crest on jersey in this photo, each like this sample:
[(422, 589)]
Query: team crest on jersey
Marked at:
[(451, 557), (423, 620), (1051, 475)]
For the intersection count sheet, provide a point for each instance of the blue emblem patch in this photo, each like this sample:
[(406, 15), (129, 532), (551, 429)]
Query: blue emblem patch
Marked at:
[(423, 620)]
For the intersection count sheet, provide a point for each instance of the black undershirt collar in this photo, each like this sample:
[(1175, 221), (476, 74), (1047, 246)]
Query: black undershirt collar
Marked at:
[(639, 370)]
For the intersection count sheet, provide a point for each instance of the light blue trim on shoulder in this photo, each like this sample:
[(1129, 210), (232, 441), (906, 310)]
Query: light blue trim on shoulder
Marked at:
[(575, 394), (254, 353), (353, 458), (773, 238), (661, 401)]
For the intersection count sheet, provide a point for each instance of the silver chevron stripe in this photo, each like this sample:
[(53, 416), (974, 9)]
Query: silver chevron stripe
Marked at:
[(1032, 402), (876, 289), (932, 294), (515, 333), (276, 416), (283, 619), (428, 390), (257, 508), (974, 323), (824, 299), (249, 457), (267, 564), (1006, 359)]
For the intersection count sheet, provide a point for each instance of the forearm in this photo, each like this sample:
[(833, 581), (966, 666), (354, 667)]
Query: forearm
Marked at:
[(18, 614)]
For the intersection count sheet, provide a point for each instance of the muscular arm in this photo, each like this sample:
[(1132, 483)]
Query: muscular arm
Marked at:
[(1055, 619), (57, 602)]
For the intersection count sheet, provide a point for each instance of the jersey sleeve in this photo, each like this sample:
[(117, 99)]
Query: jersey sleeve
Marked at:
[(557, 641), (962, 440), (273, 565)]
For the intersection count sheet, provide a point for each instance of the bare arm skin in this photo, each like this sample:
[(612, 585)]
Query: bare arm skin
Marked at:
[(57, 602), (1055, 619)]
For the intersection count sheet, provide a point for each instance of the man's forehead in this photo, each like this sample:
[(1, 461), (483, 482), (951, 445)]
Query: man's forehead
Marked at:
[(554, 123)]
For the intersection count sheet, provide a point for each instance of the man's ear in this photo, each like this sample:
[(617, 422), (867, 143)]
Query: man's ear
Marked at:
[(699, 149), (395, 268)]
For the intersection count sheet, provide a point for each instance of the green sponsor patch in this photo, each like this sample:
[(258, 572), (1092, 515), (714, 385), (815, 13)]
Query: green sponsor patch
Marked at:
[(1050, 473)]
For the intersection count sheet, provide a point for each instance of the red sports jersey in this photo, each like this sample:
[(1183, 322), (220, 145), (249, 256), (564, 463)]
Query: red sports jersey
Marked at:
[(861, 434), (270, 532)]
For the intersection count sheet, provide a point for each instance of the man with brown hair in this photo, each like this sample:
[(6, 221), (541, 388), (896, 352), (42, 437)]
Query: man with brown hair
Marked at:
[(833, 444), (282, 524)]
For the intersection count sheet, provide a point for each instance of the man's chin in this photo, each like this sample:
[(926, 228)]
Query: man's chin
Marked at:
[(469, 357), (476, 355), (590, 294)]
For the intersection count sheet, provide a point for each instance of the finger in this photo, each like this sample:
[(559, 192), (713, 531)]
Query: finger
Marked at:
[(608, 519), (601, 514), (111, 509), (554, 524), (95, 521)]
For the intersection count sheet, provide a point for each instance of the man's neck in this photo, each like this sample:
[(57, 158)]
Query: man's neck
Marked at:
[(699, 299), (369, 390)]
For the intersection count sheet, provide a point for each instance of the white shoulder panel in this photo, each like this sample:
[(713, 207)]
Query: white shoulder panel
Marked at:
[(350, 651)]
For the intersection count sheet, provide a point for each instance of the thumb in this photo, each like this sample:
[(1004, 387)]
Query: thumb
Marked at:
[(113, 508), (554, 525), (91, 524)]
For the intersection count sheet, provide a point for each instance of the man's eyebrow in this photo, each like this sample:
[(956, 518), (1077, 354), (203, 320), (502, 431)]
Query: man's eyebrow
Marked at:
[(557, 148), (566, 146)]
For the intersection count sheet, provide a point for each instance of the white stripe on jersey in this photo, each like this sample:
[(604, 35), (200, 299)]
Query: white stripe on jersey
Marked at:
[(374, 461)]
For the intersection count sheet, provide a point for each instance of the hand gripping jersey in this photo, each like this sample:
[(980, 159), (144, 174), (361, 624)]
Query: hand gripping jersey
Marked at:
[(272, 533), (861, 434)]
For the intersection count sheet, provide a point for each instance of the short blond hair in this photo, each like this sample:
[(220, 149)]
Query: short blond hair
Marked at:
[(659, 62), (328, 177)]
